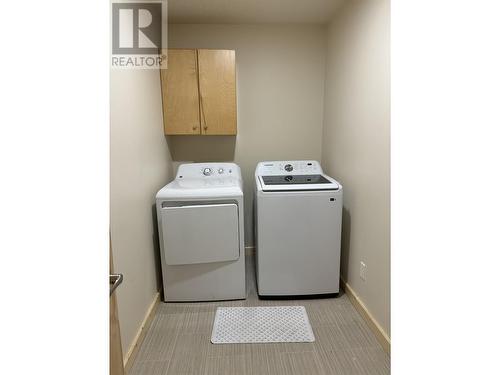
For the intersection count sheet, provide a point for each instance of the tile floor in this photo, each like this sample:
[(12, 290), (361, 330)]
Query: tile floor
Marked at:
[(178, 341)]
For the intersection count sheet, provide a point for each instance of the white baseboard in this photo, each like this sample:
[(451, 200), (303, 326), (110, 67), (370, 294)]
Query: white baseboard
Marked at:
[(376, 328), (128, 360)]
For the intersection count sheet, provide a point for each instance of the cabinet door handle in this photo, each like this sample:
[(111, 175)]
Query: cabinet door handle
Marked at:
[(202, 110), (114, 281)]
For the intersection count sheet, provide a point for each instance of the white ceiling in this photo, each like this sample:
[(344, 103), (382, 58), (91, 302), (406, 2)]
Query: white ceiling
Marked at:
[(251, 11)]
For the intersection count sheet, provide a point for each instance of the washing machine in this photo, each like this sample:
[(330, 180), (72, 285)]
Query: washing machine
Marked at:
[(200, 224), (298, 219)]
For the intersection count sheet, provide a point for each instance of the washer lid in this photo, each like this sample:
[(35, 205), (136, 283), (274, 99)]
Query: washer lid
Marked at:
[(298, 182), (295, 179)]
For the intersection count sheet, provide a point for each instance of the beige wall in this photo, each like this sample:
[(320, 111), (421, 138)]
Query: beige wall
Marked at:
[(356, 144), (280, 75), (140, 166)]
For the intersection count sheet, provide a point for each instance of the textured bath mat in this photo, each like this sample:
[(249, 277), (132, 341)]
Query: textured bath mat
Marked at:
[(239, 325)]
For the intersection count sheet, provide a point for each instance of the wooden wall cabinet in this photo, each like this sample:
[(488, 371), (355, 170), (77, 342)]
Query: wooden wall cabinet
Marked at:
[(199, 92)]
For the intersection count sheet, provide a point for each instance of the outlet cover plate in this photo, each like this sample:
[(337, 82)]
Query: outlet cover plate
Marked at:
[(362, 271)]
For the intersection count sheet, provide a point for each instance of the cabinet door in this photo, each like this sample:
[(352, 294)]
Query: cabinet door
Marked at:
[(217, 79), (179, 82)]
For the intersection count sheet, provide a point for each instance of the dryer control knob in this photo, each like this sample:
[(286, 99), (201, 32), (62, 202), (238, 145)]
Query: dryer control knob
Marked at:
[(207, 171), (221, 170), (288, 168)]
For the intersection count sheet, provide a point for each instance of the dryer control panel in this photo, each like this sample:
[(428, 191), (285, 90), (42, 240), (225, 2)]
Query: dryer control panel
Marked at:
[(210, 170), (291, 167)]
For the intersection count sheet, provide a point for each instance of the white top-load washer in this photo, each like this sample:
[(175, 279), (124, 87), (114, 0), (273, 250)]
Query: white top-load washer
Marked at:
[(298, 212), (200, 222)]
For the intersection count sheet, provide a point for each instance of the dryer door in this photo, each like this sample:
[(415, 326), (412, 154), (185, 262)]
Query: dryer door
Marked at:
[(200, 233)]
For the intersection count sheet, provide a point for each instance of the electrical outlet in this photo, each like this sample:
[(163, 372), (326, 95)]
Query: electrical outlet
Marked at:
[(362, 271)]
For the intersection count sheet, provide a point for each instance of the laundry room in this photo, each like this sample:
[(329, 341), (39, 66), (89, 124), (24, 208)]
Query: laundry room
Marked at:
[(250, 176), (254, 187)]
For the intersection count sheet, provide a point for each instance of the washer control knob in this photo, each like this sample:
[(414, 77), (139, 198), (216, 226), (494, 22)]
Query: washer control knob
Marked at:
[(221, 170), (288, 168), (207, 171)]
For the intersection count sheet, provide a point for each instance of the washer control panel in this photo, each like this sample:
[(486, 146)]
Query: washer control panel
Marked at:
[(294, 167)]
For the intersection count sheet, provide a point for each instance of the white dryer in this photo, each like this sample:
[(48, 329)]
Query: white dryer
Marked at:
[(298, 212), (200, 220)]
